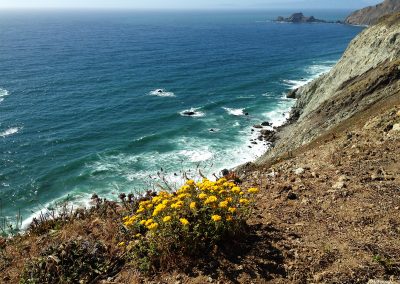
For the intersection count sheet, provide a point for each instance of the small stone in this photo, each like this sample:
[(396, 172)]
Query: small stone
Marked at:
[(339, 185), (343, 178), (396, 127), (291, 196), (299, 171)]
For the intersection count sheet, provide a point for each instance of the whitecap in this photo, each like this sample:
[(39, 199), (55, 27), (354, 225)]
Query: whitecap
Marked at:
[(193, 112), (314, 72), (161, 93), (295, 84), (234, 111), (10, 131), (3, 93), (197, 155)]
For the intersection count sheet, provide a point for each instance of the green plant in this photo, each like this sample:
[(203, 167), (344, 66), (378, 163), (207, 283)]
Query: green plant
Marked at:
[(188, 222), (79, 261)]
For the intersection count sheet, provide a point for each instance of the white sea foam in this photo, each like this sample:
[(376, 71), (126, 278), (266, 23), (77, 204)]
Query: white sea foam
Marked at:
[(3, 93), (161, 93), (75, 201), (295, 84), (193, 112), (314, 72), (199, 155), (234, 111), (10, 131)]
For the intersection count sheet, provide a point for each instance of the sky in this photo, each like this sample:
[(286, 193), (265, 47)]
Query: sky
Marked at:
[(187, 4)]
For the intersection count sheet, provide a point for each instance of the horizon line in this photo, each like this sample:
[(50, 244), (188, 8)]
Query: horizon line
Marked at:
[(162, 9)]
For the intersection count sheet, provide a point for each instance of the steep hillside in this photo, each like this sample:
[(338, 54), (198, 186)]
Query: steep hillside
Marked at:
[(368, 72), (371, 15)]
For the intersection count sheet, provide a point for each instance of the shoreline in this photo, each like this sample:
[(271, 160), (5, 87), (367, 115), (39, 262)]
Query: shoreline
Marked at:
[(260, 149)]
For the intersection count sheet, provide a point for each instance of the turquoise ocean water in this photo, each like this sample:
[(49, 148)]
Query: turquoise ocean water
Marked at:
[(80, 110)]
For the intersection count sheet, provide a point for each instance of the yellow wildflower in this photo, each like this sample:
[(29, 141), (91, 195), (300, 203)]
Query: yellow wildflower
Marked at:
[(159, 208), (253, 190), (221, 181), (143, 203), (236, 189), (121, 244), (183, 195), (184, 221), (177, 205), (140, 210), (244, 201), (211, 199), (142, 222), (202, 196), (148, 222), (216, 218), (229, 218), (190, 182), (232, 210), (166, 219), (152, 226), (223, 204), (184, 189), (156, 199), (192, 205), (148, 206)]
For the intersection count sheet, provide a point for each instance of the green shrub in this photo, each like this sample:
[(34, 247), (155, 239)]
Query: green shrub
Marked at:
[(188, 222)]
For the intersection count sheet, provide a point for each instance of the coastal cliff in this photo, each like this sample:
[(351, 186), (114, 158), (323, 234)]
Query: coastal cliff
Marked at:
[(367, 72), (370, 15)]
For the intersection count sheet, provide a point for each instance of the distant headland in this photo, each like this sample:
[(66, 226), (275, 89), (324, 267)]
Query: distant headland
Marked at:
[(300, 18)]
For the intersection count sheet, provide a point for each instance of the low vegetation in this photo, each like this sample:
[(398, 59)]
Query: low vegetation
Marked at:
[(185, 223)]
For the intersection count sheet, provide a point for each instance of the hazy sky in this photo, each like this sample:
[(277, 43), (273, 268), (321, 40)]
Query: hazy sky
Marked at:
[(188, 4)]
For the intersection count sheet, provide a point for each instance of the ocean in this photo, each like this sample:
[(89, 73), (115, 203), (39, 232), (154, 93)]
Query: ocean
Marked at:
[(98, 101)]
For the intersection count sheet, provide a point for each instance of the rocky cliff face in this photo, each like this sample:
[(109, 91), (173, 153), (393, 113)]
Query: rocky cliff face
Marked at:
[(369, 71), (371, 15)]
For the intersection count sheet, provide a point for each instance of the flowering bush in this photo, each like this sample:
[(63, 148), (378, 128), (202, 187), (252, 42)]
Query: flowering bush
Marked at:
[(187, 222)]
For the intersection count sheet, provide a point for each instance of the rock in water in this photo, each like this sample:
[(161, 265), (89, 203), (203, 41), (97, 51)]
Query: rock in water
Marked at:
[(299, 18), (257, 126)]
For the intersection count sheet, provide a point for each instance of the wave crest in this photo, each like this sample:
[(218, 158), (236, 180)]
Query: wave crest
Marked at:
[(9, 131), (234, 111), (3, 93)]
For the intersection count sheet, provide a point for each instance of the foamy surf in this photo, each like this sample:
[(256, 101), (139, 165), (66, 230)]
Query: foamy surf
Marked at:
[(162, 93), (9, 131), (3, 93), (295, 84), (314, 72), (193, 112), (234, 111)]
